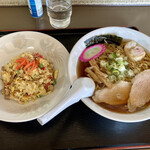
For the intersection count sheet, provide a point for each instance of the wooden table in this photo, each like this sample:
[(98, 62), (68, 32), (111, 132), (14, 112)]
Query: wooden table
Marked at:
[(77, 127), (19, 18)]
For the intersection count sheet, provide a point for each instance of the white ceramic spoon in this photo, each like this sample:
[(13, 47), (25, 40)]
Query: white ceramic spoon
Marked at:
[(81, 88)]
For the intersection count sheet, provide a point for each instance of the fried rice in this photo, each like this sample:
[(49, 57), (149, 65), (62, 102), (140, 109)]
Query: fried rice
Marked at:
[(27, 77)]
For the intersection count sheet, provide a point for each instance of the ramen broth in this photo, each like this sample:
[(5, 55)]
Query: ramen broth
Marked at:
[(115, 108), (81, 73)]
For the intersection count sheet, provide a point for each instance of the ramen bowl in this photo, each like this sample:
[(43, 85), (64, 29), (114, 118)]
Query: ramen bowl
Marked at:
[(14, 44), (126, 34)]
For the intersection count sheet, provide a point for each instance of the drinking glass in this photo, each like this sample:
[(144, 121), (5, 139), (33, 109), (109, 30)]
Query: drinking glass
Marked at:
[(59, 12)]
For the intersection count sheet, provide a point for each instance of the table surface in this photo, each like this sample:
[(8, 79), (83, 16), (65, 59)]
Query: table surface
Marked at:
[(77, 127), (19, 18)]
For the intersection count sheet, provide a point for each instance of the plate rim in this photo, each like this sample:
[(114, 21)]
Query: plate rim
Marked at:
[(68, 83)]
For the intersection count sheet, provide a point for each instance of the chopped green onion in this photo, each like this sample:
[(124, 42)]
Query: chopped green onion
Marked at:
[(18, 71), (54, 82), (121, 68), (121, 77), (40, 96), (110, 56), (107, 65), (125, 58), (114, 55), (130, 73), (127, 67), (114, 65), (103, 63), (117, 54), (112, 78), (41, 66), (125, 72), (125, 63), (116, 72), (119, 60)]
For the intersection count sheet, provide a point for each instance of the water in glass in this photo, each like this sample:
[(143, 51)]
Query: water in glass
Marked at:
[(60, 14)]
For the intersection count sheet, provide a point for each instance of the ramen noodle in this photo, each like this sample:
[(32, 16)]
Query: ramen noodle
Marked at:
[(115, 64)]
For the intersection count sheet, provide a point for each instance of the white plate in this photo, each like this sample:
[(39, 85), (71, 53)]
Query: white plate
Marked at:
[(126, 33), (14, 44)]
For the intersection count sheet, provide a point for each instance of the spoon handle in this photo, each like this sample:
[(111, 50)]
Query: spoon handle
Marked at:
[(71, 97), (81, 88)]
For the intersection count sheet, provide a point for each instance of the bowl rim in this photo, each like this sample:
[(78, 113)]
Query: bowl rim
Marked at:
[(115, 116), (47, 106)]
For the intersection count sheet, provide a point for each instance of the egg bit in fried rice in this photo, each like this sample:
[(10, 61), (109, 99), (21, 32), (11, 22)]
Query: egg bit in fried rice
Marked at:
[(27, 77)]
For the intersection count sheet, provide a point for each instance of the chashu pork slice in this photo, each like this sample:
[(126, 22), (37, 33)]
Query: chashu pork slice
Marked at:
[(134, 51), (140, 91), (117, 95)]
